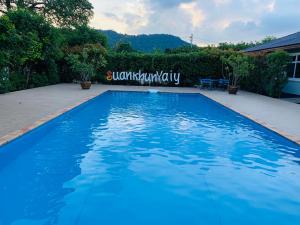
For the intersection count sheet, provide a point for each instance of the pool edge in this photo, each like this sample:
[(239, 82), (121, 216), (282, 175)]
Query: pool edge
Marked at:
[(18, 133), (291, 138), (6, 139)]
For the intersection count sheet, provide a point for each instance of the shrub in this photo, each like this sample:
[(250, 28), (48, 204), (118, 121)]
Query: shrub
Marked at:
[(52, 72), (18, 81), (191, 66), (86, 60), (241, 66), (254, 82), (30, 48), (4, 81), (276, 77), (268, 76), (38, 80)]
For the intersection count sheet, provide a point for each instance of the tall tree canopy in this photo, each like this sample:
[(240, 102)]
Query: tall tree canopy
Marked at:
[(124, 47), (59, 12), (82, 35), (29, 48)]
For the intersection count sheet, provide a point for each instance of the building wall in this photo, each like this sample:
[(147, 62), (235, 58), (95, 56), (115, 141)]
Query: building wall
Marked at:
[(293, 86)]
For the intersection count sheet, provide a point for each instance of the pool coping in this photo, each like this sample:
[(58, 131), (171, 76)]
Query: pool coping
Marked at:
[(289, 137), (18, 133)]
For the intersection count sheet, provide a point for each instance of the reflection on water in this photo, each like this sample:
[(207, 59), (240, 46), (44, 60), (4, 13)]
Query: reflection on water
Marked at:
[(139, 158)]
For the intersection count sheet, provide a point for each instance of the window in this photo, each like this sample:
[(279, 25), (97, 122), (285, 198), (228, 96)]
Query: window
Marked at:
[(291, 69), (297, 73), (294, 67)]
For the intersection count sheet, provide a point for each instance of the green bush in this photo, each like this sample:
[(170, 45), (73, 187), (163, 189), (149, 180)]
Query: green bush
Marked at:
[(4, 81), (254, 82), (191, 66), (38, 80), (85, 60), (241, 65), (30, 48), (52, 72), (268, 76), (18, 81), (276, 77)]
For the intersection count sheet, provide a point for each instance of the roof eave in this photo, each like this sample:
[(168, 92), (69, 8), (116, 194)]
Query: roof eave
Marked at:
[(266, 50)]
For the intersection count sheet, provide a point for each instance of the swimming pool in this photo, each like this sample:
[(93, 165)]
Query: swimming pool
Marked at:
[(133, 158)]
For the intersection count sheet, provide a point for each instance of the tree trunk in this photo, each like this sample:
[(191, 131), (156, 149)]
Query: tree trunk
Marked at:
[(26, 71)]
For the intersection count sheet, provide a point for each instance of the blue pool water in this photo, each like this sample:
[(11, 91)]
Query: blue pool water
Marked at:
[(150, 159)]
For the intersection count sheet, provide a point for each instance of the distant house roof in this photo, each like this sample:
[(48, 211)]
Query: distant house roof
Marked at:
[(287, 41)]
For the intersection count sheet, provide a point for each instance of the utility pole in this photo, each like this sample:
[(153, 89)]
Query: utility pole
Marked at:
[(191, 39)]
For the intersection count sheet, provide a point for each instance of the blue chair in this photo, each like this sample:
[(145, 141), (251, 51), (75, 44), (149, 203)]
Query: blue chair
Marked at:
[(223, 83), (206, 83)]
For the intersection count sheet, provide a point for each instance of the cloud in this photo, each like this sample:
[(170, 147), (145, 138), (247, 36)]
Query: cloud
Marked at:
[(211, 21), (166, 3), (221, 2), (271, 6), (195, 12), (125, 17)]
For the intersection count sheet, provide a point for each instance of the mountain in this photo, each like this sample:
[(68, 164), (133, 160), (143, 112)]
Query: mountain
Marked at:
[(143, 42)]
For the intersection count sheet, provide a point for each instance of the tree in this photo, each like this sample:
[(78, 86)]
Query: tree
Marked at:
[(276, 78), (183, 49), (29, 45), (81, 35), (124, 47), (86, 60), (237, 47), (7, 36), (4, 80), (244, 45), (267, 40), (24, 45), (240, 65), (59, 12)]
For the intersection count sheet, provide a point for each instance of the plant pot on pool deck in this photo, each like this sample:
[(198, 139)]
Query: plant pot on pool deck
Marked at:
[(233, 90), (85, 85), (241, 65)]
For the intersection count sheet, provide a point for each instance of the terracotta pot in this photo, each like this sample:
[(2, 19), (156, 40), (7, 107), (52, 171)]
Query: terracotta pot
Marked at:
[(232, 90), (86, 85)]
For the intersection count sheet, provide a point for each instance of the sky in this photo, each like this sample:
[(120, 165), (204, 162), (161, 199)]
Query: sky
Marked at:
[(210, 21)]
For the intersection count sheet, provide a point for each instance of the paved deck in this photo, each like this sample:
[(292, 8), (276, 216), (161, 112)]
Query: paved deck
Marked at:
[(24, 110), (293, 100), (278, 115)]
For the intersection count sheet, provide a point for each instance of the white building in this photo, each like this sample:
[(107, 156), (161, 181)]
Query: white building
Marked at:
[(291, 44)]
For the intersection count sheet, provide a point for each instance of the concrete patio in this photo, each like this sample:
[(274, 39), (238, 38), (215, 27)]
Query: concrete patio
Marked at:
[(24, 110), (278, 115)]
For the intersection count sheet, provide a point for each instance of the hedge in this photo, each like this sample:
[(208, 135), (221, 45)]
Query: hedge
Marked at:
[(269, 74), (191, 66)]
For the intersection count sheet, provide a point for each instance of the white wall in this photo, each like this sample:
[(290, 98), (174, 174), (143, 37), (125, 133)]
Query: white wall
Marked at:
[(293, 86)]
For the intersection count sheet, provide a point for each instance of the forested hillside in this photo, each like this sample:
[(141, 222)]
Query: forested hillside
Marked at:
[(145, 43)]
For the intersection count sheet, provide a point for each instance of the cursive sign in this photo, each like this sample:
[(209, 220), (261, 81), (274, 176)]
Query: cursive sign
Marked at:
[(157, 77)]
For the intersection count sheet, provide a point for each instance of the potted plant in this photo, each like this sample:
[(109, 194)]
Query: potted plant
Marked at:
[(85, 61), (86, 74), (241, 67), (233, 87)]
